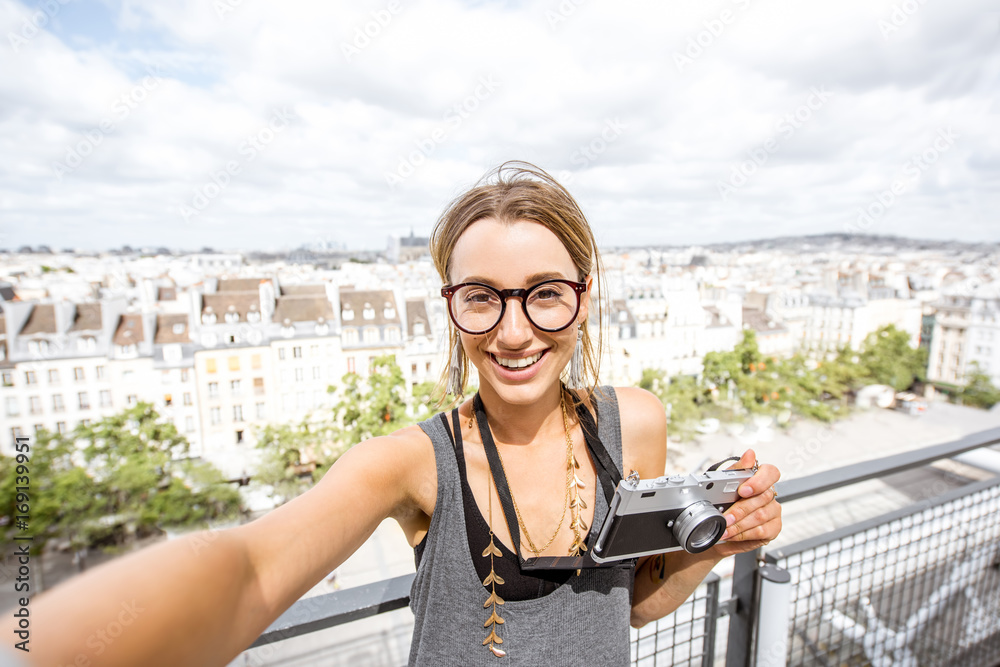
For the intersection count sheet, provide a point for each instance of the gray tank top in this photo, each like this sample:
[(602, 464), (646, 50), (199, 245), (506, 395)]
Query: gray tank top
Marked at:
[(584, 621)]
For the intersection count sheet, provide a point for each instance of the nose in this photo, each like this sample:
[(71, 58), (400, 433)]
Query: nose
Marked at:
[(514, 330)]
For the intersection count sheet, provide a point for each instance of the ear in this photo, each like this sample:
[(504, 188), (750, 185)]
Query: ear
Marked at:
[(585, 301)]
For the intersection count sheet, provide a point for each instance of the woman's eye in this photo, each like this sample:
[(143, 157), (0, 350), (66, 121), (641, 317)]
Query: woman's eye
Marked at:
[(479, 297), (547, 293)]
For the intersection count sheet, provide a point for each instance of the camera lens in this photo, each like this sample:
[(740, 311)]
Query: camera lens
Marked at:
[(699, 526)]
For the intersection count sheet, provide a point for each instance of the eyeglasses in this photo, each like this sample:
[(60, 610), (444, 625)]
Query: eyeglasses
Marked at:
[(551, 305)]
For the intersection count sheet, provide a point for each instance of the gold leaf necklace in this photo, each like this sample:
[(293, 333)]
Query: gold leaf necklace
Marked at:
[(571, 500)]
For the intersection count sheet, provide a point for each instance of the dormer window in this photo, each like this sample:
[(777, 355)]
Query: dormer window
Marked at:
[(232, 317), (368, 313), (419, 329), (253, 316), (178, 328), (347, 314), (388, 312), (208, 317)]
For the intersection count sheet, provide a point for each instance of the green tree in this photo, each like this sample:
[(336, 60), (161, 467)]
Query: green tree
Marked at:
[(888, 358), (979, 390), (296, 455), (374, 405), (134, 458)]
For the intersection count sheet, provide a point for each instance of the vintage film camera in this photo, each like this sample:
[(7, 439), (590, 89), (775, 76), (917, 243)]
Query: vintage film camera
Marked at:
[(667, 514)]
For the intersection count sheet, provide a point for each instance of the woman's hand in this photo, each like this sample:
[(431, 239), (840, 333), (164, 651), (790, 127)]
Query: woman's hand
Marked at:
[(756, 519)]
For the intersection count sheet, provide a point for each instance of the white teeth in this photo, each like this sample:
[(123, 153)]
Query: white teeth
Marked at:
[(518, 363)]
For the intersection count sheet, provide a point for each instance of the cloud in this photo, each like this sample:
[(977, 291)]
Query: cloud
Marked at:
[(165, 97)]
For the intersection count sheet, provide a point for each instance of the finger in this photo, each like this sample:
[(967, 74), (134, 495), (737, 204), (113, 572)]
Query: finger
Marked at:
[(750, 512), (767, 476), (766, 531)]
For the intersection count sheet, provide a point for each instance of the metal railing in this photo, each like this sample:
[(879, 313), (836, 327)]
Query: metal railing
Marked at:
[(917, 588)]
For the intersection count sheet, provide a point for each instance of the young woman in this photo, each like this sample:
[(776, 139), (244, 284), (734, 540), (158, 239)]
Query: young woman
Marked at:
[(519, 262)]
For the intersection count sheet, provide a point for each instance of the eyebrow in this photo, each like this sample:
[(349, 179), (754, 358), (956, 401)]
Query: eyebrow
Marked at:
[(533, 279)]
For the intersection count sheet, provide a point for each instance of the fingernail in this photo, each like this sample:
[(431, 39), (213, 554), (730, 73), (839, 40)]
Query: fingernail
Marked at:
[(730, 520), (746, 491)]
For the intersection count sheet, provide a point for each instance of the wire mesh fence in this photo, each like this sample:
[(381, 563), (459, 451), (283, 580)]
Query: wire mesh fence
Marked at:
[(919, 588), (685, 638)]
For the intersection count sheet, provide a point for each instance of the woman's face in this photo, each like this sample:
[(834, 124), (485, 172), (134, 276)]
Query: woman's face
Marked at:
[(510, 256)]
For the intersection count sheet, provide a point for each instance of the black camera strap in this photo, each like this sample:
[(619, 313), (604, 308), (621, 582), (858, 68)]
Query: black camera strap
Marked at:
[(606, 470)]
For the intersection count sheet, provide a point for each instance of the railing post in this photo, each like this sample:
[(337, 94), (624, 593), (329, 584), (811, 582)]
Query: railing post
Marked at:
[(774, 596), (738, 652)]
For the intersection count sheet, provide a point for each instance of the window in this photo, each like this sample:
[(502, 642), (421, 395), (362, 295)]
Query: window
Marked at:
[(213, 389), (172, 353), (350, 364), (16, 433), (29, 377), (413, 370), (127, 376), (8, 378), (168, 400), (84, 423), (427, 367), (314, 350), (13, 409), (208, 317), (131, 400), (281, 353), (234, 387), (258, 386), (297, 352), (283, 375), (316, 373), (61, 428), (105, 397), (419, 329), (261, 411), (299, 375), (239, 436), (210, 365), (189, 424), (39, 428), (371, 335), (392, 334), (347, 314), (99, 370), (234, 363), (178, 328), (187, 398), (215, 416), (86, 344), (54, 376), (255, 361), (84, 399), (237, 413), (57, 403), (232, 317), (350, 336), (185, 375), (368, 312)]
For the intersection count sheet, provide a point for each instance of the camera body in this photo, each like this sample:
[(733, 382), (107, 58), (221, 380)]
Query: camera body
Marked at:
[(667, 514)]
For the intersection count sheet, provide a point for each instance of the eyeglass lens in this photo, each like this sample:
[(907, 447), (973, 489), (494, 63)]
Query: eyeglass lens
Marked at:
[(549, 306)]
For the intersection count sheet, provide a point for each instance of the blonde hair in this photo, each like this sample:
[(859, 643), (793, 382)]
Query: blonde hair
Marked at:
[(513, 192)]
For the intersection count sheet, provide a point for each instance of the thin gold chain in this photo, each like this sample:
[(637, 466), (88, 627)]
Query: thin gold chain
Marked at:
[(566, 500)]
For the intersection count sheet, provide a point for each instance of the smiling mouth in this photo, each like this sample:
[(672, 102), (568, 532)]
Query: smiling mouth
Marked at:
[(517, 364)]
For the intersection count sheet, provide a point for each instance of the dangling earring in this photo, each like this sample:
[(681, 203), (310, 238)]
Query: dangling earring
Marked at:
[(455, 369), (575, 378)]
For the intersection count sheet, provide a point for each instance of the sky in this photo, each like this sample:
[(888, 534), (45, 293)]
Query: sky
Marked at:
[(246, 124)]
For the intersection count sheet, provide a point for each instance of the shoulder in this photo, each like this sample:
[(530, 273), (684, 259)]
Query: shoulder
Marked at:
[(644, 431), (402, 462)]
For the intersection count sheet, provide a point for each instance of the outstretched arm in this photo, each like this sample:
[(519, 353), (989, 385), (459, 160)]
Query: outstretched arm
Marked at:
[(664, 581), (203, 599)]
